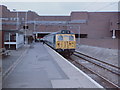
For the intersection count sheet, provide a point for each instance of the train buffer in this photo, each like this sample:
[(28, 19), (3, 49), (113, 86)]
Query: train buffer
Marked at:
[(41, 67)]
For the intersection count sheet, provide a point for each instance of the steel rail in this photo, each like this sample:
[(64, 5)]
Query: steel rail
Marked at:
[(97, 60), (98, 65), (114, 85)]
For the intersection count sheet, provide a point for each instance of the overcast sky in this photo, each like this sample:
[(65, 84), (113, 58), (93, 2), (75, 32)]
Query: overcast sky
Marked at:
[(61, 8)]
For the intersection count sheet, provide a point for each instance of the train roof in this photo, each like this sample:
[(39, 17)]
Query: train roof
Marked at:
[(63, 32)]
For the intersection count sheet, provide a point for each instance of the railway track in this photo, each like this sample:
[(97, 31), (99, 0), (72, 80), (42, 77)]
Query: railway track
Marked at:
[(112, 68), (101, 64)]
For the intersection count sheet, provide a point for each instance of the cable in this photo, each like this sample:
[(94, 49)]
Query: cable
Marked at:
[(91, 3), (111, 4)]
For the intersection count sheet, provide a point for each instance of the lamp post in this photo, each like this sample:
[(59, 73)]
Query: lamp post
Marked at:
[(25, 27), (17, 19), (35, 27), (17, 28), (35, 24)]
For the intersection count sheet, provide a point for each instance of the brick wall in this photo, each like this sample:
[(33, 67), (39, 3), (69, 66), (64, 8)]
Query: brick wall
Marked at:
[(97, 25), (105, 43)]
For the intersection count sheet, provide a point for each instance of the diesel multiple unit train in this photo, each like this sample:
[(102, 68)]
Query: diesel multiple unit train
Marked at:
[(62, 41)]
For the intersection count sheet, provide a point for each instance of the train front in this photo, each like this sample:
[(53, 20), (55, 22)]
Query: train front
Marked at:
[(65, 43)]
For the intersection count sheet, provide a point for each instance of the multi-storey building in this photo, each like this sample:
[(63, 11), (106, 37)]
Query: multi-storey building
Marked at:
[(91, 28)]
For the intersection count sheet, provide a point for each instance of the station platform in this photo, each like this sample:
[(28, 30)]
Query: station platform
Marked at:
[(42, 67)]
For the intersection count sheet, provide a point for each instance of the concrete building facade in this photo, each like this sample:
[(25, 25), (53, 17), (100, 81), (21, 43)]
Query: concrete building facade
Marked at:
[(91, 28)]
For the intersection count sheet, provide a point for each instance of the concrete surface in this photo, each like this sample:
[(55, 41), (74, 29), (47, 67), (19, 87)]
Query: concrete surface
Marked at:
[(35, 70), (43, 68), (0, 72), (104, 54), (0, 82), (77, 78), (14, 56)]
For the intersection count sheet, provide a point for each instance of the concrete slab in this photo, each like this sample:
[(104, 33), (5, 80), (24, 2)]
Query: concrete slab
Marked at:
[(36, 70), (14, 56), (65, 84), (0, 72), (41, 67), (103, 54), (73, 73), (0, 82)]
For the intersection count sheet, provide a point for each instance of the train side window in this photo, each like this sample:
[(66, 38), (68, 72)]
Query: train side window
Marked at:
[(60, 38), (54, 39), (71, 38)]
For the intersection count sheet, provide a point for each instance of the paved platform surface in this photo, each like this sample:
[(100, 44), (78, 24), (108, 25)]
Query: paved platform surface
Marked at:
[(13, 57), (0, 82), (41, 67), (0, 72)]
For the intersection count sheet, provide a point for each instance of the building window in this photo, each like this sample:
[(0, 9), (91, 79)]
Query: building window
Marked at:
[(11, 19), (81, 35), (14, 19), (4, 18), (23, 19), (10, 37)]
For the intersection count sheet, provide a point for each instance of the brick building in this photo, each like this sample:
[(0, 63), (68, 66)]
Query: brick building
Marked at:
[(94, 28)]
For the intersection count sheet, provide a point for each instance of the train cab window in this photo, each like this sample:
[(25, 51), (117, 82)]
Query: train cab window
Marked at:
[(71, 38), (68, 32), (60, 38), (65, 32)]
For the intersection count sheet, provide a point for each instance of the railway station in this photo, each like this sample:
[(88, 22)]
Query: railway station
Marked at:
[(75, 51)]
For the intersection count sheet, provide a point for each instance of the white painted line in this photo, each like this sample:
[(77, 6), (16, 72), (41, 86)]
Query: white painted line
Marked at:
[(98, 85)]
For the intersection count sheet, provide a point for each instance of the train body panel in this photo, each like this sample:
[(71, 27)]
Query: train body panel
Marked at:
[(62, 42), (65, 41)]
